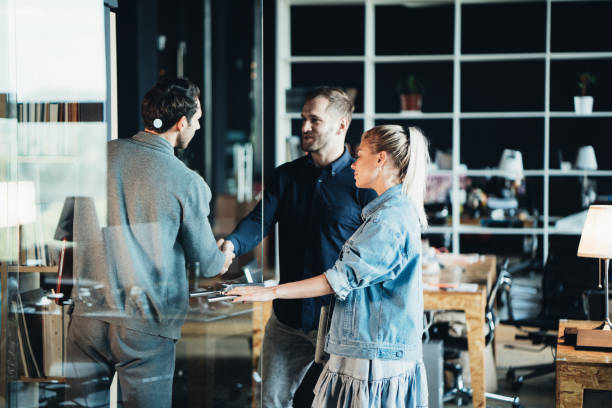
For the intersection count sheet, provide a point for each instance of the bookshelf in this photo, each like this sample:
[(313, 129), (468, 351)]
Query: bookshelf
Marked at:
[(485, 91), (53, 380), (32, 269)]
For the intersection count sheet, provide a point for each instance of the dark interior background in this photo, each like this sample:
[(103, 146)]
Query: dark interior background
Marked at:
[(400, 30)]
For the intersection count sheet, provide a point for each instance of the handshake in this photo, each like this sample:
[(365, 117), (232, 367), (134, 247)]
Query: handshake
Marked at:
[(228, 250)]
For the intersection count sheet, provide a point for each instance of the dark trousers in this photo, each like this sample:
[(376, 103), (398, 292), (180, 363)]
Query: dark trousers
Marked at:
[(286, 356), (96, 350)]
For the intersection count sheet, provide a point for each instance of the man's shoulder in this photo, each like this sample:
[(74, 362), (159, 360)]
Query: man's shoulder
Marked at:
[(115, 143), (291, 170), (297, 164), (118, 148), (153, 162)]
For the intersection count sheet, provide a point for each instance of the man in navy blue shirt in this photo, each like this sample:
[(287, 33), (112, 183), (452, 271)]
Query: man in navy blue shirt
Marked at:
[(317, 207)]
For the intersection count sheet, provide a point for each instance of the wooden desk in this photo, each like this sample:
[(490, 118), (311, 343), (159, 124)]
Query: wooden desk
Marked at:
[(579, 369), (473, 305), (5, 271)]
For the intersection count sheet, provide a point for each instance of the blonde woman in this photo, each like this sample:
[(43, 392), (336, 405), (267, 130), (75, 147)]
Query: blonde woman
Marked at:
[(374, 339)]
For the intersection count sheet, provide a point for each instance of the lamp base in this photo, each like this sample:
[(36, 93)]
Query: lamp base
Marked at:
[(594, 339), (605, 325)]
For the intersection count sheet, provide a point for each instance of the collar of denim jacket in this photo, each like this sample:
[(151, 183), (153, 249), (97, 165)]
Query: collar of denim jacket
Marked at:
[(376, 203)]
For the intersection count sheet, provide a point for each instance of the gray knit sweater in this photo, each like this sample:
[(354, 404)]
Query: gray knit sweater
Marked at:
[(134, 274)]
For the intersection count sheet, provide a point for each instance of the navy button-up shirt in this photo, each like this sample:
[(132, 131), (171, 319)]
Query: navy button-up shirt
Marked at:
[(317, 210)]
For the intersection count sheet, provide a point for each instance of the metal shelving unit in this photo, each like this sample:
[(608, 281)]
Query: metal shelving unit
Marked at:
[(285, 60)]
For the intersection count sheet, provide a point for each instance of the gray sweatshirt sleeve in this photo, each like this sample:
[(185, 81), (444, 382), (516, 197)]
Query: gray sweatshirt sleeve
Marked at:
[(196, 234)]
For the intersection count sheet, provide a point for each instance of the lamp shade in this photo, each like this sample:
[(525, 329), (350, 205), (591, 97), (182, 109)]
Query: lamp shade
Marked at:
[(585, 159), (596, 240), (17, 203), (511, 163)]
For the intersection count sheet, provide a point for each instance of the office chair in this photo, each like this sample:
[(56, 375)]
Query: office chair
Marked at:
[(593, 303), (564, 279), (452, 345)]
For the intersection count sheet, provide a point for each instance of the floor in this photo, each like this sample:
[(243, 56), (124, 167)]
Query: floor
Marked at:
[(538, 392)]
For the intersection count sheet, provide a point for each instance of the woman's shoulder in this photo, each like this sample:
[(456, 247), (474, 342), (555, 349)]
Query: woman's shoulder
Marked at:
[(398, 211)]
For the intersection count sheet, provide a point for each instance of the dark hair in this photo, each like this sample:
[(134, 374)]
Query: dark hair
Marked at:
[(337, 98), (169, 100)]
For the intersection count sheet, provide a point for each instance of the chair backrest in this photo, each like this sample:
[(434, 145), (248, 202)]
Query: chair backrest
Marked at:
[(594, 304), (503, 279), (565, 277)]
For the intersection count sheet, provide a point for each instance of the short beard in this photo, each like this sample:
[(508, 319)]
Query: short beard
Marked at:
[(311, 148), (316, 145)]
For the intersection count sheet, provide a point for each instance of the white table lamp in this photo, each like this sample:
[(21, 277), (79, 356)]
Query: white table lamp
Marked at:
[(511, 163), (596, 242), (585, 159)]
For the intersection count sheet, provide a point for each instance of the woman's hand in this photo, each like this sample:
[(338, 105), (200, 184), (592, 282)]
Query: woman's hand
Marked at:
[(311, 287), (252, 293)]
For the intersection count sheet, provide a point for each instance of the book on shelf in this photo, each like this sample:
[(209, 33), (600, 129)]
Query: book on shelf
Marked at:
[(29, 333), (53, 115), (55, 320), (33, 250), (24, 369), (52, 112), (41, 328), (91, 112), (4, 106)]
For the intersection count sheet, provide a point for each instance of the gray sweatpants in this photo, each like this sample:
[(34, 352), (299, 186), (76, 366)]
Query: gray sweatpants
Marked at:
[(287, 354), (96, 350)]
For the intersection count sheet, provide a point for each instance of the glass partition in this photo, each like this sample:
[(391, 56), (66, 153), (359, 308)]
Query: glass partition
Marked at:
[(9, 187), (64, 250), (53, 171), (217, 356)]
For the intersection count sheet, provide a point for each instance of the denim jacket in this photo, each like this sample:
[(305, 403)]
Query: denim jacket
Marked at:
[(378, 312)]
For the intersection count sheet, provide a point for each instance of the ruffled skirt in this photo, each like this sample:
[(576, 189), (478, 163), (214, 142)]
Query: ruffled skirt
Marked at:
[(358, 383)]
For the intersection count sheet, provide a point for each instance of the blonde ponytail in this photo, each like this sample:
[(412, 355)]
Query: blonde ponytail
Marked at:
[(414, 182)]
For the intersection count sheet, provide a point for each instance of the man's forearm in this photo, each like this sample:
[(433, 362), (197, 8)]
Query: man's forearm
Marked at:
[(247, 234)]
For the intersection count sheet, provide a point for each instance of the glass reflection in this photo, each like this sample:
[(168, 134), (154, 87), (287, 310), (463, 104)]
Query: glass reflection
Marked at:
[(96, 282), (53, 153), (218, 354), (64, 41)]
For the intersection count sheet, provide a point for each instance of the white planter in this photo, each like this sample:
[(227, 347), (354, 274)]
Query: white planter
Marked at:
[(583, 105)]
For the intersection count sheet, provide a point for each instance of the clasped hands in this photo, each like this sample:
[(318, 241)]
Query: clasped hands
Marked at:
[(244, 293), (228, 250)]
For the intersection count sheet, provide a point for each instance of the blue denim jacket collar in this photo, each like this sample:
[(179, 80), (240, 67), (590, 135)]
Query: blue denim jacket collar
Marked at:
[(380, 200)]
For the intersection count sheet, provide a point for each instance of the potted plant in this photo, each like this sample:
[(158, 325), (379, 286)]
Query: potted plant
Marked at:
[(583, 104), (410, 90)]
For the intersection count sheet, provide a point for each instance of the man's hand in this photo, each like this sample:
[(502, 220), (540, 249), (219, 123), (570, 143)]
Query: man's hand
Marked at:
[(228, 250), (225, 246)]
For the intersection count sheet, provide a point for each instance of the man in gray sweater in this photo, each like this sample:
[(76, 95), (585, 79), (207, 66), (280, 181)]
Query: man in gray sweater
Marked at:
[(131, 293)]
